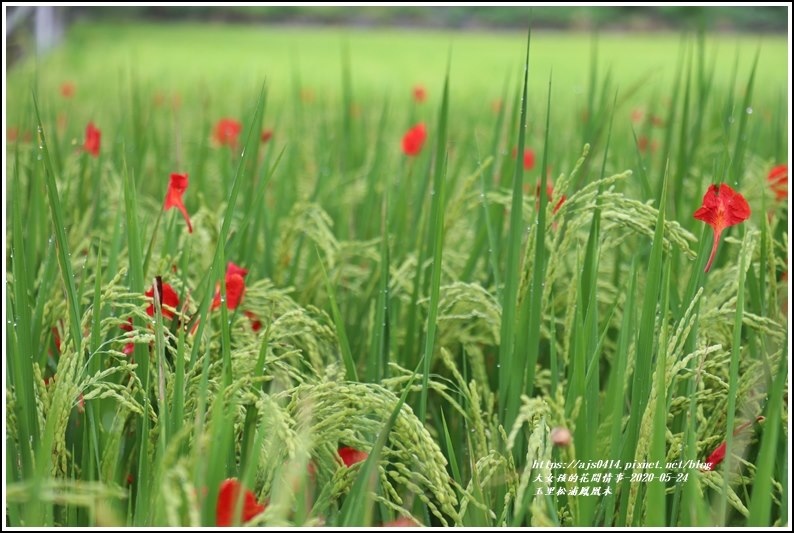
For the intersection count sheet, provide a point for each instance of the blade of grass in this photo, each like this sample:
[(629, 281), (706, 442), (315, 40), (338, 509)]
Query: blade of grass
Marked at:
[(44, 455), (733, 382), (507, 334), (737, 163), (761, 503), (21, 359), (617, 380), (435, 243), (378, 366), (341, 333), (656, 493), (527, 359), (645, 344)]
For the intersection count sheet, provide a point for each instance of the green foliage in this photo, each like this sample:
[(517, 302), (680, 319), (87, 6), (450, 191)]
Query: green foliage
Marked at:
[(446, 313)]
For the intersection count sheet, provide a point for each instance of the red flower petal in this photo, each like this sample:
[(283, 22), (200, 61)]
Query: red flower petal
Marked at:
[(549, 196), (228, 493), (92, 139), (266, 135), (256, 324), (67, 89), (130, 346), (169, 301), (420, 93), (778, 181), (231, 268), (414, 139), (226, 132), (718, 454), (173, 197), (235, 288), (722, 207), (403, 521), (56, 337), (351, 456), (529, 159)]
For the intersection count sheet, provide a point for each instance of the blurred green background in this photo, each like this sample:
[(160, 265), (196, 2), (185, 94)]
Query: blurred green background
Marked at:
[(384, 62)]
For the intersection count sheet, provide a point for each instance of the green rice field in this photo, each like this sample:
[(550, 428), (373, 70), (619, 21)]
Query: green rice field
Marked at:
[(293, 276)]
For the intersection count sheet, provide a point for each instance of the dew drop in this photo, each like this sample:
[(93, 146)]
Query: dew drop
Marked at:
[(749, 110)]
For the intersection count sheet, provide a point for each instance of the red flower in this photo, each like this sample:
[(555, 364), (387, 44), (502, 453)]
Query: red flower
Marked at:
[(67, 89), (227, 502), (127, 326), (414, 139), (718, 454), (420, 94), (351, 456), (549, 195), (235, 288), (173, 196), (169, 301), (267, 135), (529, 157), (643, 144), (256, 324), (778, 181), (231, 268), (56, 337), (92, 137), (227, 131), (401, 522), (722, 207), (637, 115)]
